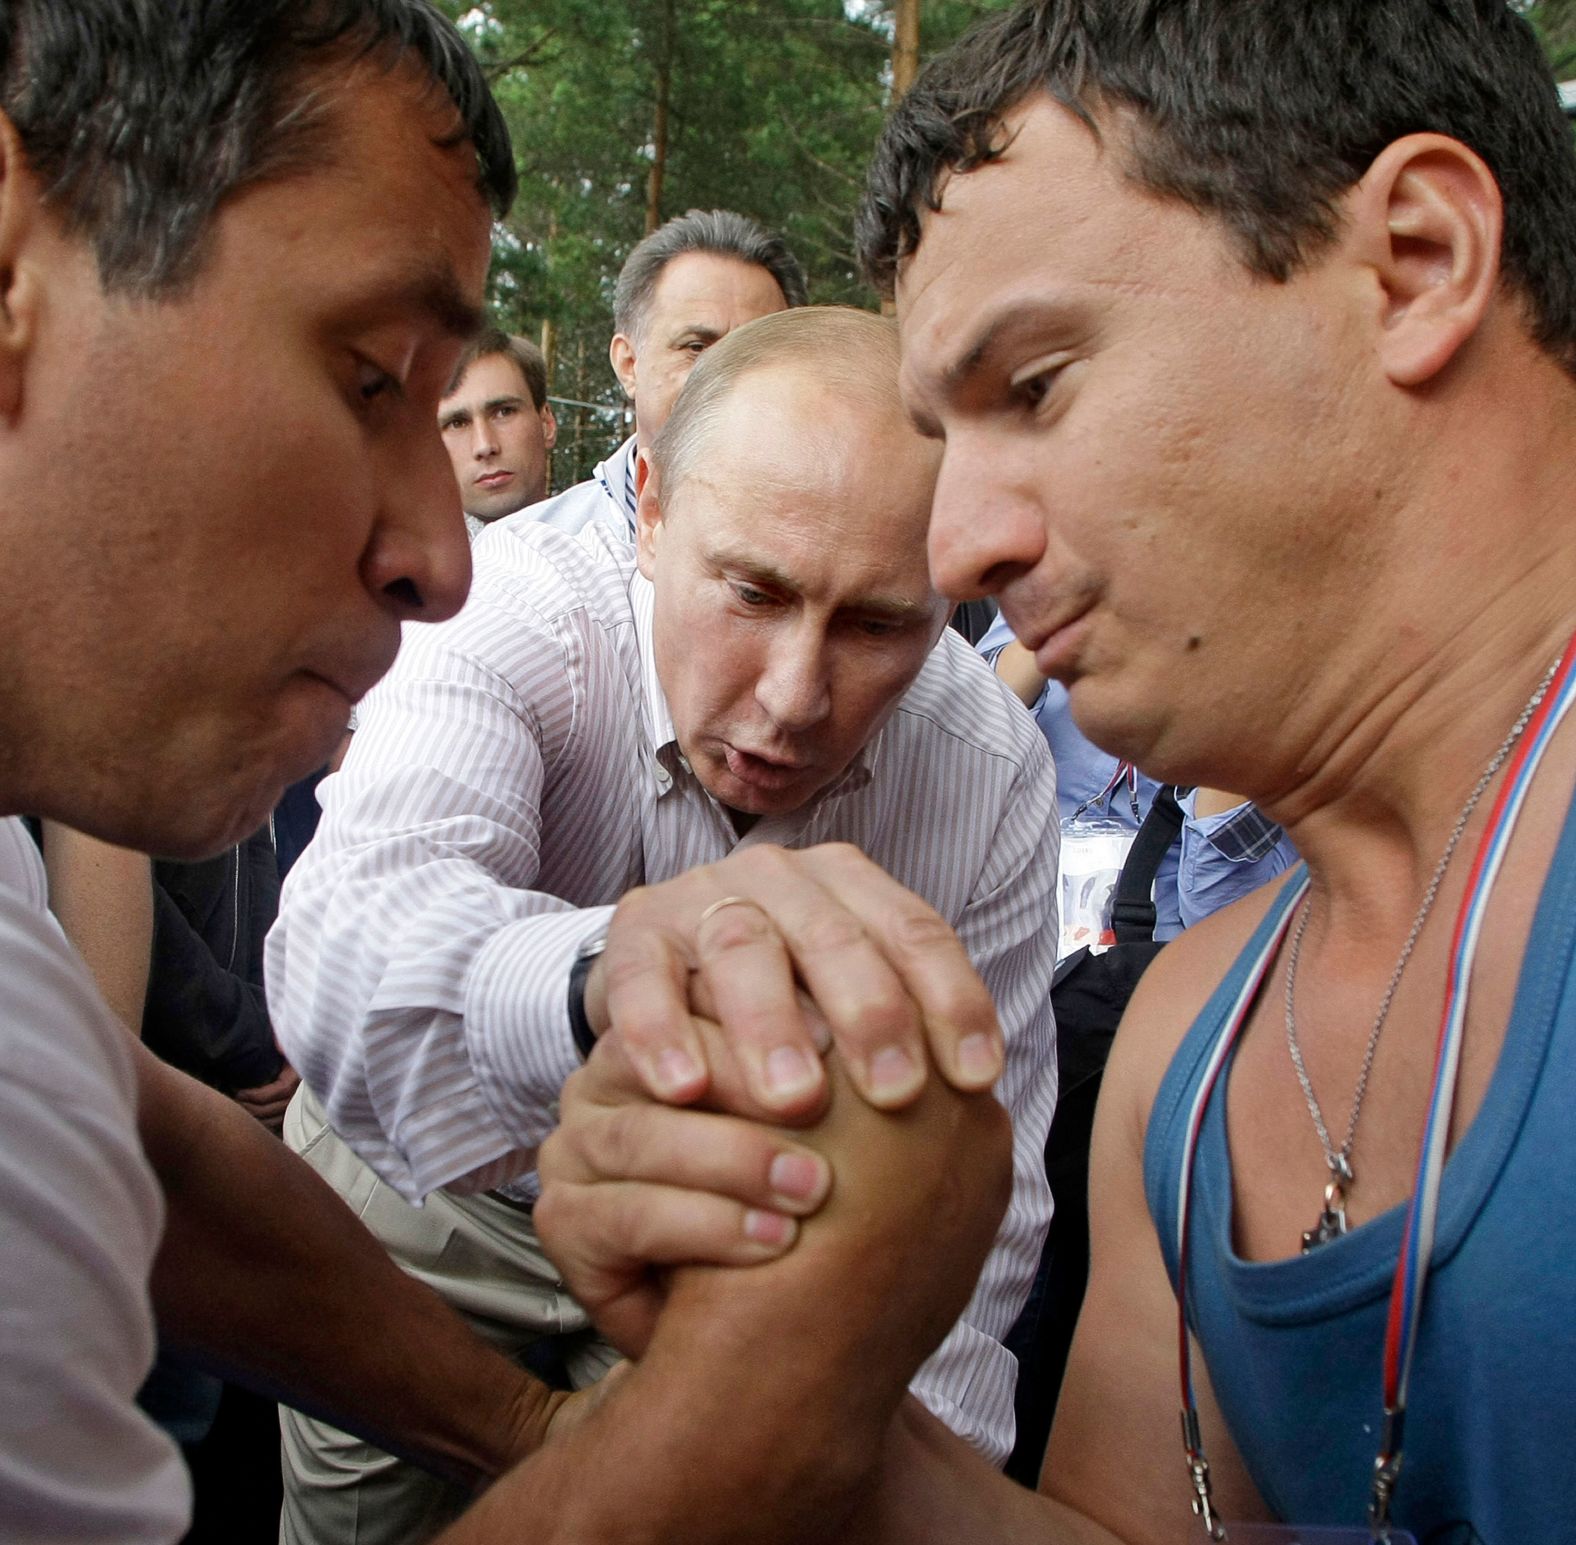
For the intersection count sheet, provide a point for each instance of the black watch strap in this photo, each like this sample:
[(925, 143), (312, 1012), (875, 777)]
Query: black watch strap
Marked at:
[(579, 1026)]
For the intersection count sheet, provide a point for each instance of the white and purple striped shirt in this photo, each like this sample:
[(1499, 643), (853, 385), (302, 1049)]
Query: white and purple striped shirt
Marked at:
[(515, 774)]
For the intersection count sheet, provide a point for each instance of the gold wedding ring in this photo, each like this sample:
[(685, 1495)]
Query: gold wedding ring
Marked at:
[(729, 901)]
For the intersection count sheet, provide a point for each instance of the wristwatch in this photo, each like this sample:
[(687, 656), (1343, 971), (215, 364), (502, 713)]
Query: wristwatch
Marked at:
[(586, 956)]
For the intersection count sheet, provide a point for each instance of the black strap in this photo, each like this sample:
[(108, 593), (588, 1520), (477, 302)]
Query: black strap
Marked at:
[(1133, 908), (579, 1024)]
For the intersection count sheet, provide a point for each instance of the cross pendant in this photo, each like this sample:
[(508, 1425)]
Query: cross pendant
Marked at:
[(1332, 1218)]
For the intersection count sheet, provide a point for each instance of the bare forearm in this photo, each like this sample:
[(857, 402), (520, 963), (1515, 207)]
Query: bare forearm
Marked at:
[(1015, 665), (933, 1489), (687, 1452), (103, 896), (266, 1275), (758, 1409)]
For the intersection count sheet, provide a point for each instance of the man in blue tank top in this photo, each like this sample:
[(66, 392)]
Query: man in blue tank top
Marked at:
[(1249, 327)]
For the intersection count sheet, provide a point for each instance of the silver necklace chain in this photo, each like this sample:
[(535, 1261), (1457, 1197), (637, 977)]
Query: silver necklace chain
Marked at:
[(1339, 1159)]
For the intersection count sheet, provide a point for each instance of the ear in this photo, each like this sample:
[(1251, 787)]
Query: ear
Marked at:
[(648, 515), (549, 427), (1427, 218), (621, 351), (19, 283)]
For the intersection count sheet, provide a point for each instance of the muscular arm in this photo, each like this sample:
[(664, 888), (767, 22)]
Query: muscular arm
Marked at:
[(1115, 1470), (759, 1404), (264, 1273)]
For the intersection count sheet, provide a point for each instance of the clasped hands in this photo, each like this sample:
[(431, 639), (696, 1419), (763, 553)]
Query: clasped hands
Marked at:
[(684, 1139)]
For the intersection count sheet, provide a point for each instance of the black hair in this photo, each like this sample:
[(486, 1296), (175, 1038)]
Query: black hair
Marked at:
[(140, 117), (1258, 113)]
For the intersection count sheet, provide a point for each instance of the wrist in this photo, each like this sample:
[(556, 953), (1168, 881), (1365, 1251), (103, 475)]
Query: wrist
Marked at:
[(522, 1429)]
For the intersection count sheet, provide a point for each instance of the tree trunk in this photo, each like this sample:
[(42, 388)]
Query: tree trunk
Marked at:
[(905, 46), (659, 122)]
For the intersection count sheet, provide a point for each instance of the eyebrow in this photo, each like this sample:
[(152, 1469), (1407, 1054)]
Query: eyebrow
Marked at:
[(887, 608), (430, 290), (437, 293), (1031, 316)]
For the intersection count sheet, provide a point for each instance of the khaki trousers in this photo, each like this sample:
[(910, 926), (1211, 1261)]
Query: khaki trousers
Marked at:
[(481, 1254)]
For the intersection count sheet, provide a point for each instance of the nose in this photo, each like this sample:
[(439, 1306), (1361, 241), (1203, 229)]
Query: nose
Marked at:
[(795, 689), (417, 563), (484, 439), (987, 524)]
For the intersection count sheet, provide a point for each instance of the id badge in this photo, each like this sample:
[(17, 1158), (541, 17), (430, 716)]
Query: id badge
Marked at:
[(1093, 852), (1297, 1534)]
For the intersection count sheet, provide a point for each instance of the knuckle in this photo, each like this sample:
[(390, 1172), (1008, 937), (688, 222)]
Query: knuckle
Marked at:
[(883, 1018), (963, 999), (832, 930), (621, 1141), (736, 928), (551, 1159), (919, 930), (843, 855)]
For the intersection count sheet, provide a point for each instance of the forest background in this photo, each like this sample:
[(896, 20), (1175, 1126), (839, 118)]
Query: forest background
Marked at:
[(627, 112)]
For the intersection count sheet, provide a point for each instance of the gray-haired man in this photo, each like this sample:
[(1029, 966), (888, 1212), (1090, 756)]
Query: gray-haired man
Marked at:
[(684, 287)]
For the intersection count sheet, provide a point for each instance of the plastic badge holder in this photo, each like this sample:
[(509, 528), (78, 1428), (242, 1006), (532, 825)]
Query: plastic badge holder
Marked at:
[(1093, 852)]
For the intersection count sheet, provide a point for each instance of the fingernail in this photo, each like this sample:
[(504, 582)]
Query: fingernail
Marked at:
[(893, 1074), (979, 1058), (787, 1072), (676, 1073), (798, 1177), (768, 1228)]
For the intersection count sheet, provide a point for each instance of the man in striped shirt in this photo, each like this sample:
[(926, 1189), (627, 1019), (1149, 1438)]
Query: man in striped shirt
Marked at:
[(769, 672)]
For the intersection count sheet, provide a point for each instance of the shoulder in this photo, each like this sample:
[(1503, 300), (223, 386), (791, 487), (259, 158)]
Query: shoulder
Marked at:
[(60, 1042), (533, 589), (1170, 997), (957, 699), (81, 1214), (585, 504)]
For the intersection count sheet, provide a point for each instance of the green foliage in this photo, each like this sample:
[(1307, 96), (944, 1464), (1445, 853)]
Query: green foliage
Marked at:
[(774, 105), (1555, 21)]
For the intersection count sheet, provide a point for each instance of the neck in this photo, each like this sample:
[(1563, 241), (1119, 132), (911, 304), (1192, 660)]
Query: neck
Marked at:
[(1375, 817), (1471, 598)]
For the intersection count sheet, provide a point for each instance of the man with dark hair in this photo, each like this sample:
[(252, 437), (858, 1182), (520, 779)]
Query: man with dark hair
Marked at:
[(498, 427), (1247, 329), (686, 285), (231, 236), (761, 674)]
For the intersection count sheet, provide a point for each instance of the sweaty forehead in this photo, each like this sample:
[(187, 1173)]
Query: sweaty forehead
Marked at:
[(711, 292), (1055, 229)]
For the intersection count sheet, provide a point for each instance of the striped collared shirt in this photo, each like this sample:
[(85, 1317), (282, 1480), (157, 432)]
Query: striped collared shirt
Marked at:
[(515, 774)]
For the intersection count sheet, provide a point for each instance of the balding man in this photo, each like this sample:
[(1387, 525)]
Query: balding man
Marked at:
[(763, 673), (687, 285)]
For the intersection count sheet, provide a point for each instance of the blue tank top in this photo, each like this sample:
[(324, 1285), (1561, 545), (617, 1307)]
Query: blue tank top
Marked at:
[(1295, 1347)]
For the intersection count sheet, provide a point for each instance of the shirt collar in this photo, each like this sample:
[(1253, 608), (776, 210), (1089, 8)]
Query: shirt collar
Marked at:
[(617, 477), (654, 701)]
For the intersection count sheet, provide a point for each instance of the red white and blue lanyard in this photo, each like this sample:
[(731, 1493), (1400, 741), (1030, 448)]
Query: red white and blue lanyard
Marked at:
[(1417, 1240), (1126, 773)]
